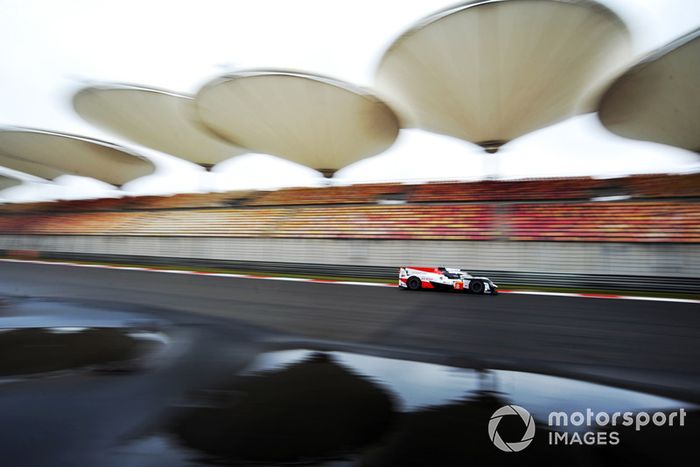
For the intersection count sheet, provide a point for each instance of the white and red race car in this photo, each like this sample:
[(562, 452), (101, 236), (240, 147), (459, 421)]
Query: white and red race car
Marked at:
[(442, 278)]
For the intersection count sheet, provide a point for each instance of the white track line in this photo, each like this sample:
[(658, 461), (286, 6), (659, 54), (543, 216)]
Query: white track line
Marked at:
[(337, 282)]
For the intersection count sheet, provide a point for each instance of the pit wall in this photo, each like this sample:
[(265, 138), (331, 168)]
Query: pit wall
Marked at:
[(663, 261)]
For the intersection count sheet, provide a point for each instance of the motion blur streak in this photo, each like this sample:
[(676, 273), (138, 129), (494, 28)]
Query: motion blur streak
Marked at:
[(612, 340), (340, 282)]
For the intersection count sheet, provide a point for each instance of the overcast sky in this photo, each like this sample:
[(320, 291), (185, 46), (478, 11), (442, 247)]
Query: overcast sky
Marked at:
[(49, 49)]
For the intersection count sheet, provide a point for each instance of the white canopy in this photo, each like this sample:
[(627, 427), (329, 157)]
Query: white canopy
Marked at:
[(658, 99), (48, 154), (491, 71), (312, 120), (8, 182), (157, 119)]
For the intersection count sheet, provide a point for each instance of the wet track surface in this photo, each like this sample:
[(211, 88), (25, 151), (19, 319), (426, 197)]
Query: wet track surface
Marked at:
[(199, 370), (616, 338)]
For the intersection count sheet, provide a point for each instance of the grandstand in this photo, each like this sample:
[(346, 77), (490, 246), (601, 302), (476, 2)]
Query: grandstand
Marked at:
[(528, 210), (356, 194), (595, 222), (552, 189), (642, 227)]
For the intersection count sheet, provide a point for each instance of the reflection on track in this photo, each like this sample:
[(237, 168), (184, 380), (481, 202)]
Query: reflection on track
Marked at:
[(214, 391), (417, 385), (339, 408), (29, 351)]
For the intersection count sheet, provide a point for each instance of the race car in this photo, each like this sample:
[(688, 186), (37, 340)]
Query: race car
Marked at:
[(442, 278)]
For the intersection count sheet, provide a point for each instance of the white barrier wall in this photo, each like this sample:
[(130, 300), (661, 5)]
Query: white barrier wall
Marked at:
[(641, 259)]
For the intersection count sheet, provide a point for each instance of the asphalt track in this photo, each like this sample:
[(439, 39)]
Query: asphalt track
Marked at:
[(647, 343)]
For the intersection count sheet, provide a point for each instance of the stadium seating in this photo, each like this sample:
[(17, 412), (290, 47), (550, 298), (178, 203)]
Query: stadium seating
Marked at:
[(660, 209), (180, 201), (192, 200), (518, 190), (622, 222), (605, 221), (639, 186), (355, 194), (96, 223), (581, 188), (466, 222), (664, 186)]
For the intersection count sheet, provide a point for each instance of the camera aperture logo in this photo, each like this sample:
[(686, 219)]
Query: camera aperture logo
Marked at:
[(509, 410)]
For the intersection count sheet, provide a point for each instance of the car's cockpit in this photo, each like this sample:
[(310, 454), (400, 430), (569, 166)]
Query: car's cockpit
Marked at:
[(451, 273)]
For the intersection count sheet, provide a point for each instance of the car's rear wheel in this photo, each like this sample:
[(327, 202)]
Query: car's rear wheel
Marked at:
[(413, 283), (476, 286)]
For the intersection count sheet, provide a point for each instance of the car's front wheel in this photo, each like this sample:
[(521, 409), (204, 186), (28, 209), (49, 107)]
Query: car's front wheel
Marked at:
[(413, 283), (476, 287)]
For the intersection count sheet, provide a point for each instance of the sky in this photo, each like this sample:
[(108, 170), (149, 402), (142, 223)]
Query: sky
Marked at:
[(50, 49)]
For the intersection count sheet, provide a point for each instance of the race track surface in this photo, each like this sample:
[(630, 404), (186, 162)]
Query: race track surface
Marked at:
[(653, 344)]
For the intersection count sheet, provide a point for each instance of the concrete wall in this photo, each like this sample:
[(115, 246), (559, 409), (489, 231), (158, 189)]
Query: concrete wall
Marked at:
[(636, 259)]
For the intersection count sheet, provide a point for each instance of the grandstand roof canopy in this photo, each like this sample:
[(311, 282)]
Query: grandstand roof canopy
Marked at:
[(8, 182), (154, 118), (658, 99), (33, 168), (312, 120), (47, 154), (491, 71)]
